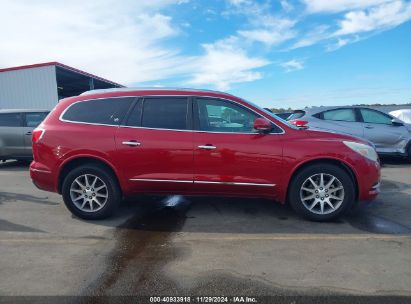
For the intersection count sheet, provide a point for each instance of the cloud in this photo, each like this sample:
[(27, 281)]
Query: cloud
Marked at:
[(293, 65), (263, 26), (225, 63), (377, 18), (319, 33), (357, 25), (334, 6), (126, 43), (286, 5), (271, 31)]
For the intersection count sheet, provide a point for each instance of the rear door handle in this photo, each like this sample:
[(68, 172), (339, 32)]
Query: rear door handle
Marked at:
[(28, 133), (132, 143), (369, 127), (208, 147)]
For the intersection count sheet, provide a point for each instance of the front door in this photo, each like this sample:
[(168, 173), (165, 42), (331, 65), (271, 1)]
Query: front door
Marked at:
[(229, 156), (378, 129), (154, 148)]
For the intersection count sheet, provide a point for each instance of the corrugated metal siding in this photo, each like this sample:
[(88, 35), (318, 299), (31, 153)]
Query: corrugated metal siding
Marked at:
[(34, 88)]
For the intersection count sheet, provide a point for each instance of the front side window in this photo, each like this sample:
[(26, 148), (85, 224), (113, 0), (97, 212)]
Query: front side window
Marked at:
[(215, 115), (10, 120), (371, 116), (339, 115), (110, 111), (165, 113), (34, 119)]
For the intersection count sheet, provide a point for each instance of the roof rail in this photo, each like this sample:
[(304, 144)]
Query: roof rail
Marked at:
[(148, 89)]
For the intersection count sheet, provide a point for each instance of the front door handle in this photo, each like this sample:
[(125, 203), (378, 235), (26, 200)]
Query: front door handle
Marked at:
[(208, 147), (369, 127), (132, 143), (28, 133)]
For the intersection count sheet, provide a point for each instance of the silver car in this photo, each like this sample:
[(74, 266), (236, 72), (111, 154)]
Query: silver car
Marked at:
[(389, 134), (16, 127)]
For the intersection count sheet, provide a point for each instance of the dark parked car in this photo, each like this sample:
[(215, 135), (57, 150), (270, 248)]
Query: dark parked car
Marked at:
[(16, 127), (101, 146)]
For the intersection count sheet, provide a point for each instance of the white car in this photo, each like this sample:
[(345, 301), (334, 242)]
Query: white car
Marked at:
[(403, 114)]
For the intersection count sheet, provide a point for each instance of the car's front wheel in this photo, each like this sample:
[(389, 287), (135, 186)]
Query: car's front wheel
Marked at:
[(322, 192), (91, 192)]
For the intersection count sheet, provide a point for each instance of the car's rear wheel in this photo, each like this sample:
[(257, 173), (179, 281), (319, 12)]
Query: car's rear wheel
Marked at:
[(91, 192), (321, 192)]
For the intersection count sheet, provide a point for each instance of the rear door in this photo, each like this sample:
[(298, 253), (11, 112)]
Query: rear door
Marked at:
[(378, 129), (230, 157), (11, 135), (342, 120), (30, 121), (154, 148)]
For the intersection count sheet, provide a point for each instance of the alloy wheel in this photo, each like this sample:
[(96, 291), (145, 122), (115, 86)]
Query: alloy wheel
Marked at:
[(88, 193), (322, 193)]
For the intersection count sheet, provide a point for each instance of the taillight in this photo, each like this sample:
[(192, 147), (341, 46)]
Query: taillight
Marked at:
[(37, 135), (302, 124)]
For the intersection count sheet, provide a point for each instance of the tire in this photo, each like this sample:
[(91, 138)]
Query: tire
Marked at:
[(302, 200), (105, 194)]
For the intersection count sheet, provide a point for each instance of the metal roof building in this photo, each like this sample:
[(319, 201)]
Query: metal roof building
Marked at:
[(41, 86)]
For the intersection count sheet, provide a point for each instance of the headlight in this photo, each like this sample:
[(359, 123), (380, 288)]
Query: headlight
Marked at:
[(365, 150)]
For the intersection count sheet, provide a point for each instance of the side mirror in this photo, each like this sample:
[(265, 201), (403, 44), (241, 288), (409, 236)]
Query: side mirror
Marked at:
[(397, 123), (262, 125)]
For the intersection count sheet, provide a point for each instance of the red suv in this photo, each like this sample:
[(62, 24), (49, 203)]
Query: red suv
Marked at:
[(104, 145)]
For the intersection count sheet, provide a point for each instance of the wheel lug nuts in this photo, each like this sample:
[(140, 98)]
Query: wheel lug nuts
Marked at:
[(317, 196), (92, 189), (94, 194), (321, 188), (84, 191), (316, 191), (322, 198)]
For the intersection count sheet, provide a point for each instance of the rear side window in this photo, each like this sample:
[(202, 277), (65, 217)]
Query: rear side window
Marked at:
[(339, 115), (165, 113), (371, 116), (110, 111), (10, 120), (34, 119)]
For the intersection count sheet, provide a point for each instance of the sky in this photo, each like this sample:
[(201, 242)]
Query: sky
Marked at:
[(283, 53)]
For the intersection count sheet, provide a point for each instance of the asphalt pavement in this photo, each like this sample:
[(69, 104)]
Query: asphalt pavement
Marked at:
[(184, 246)]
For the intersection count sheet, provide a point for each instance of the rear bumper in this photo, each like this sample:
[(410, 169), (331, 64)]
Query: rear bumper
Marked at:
[(42, 177)]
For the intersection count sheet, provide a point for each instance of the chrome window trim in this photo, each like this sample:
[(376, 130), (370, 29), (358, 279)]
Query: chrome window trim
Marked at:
[(178, 130), (199, 182)]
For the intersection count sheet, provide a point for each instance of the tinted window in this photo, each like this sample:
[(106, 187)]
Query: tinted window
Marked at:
[(109, 111), (165, 113), (34, 119), (370, 116), (223, 116), (10, 120), (340, 115)]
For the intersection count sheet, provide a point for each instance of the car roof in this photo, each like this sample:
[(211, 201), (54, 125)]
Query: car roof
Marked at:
[(315, 110), (143, 89), (22, 110)]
